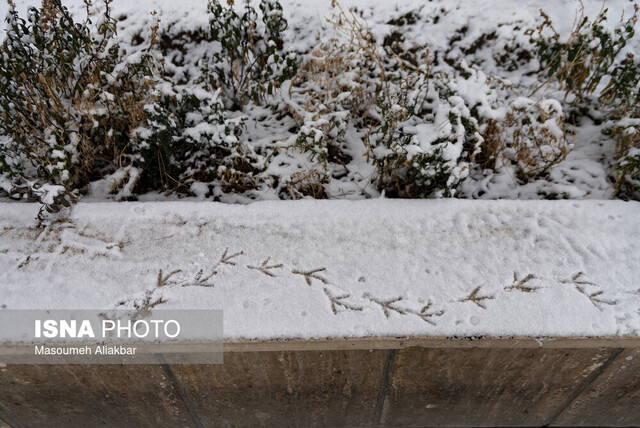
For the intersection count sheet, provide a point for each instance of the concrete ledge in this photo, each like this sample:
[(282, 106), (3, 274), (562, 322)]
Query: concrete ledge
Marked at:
[(314, 269), (363, 382), (368, 343), (343, 344), (562, 272)]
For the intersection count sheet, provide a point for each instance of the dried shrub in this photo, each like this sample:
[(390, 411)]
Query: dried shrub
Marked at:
[(539, 135), (591, 61), (306, 183), (492, 146), (336, 75), (337, 85), (532, 136), (345, 72), (69, 102), (589, 56)]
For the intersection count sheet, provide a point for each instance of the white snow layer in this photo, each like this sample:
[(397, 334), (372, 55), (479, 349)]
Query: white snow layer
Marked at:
[(314, 269)]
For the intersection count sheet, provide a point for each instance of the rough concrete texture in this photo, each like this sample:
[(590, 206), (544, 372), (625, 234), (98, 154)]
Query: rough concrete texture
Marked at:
[(90, 395), (336, 388), (484, 387), (385, 387), (612, 399)]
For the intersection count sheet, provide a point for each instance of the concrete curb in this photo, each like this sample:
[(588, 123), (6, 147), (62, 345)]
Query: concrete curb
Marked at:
[(417, 381)]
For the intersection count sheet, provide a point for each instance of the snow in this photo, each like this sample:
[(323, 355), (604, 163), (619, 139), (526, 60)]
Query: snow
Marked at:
[(342, 268), (387, 267), (48, 192)]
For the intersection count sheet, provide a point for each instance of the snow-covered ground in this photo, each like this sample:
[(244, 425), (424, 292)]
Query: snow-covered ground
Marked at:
[(313, 269)]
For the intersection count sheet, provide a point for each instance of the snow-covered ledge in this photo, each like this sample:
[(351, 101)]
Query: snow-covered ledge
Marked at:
[(341, 313), (340, 269)]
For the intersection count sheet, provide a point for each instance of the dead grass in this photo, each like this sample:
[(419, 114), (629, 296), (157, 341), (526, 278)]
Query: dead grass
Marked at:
[(533, 138), (626, 138)]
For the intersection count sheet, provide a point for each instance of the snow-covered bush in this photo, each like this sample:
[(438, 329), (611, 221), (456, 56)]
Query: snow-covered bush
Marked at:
[(186, 138), (320, 140), (626, 132), (589, 56), (332, 93), (533, 136), (419, 144), (593, 60), (122, 182), (68, 101), (316, 137), (343, 73), (628, 183), (251, 62), (332, 87)]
